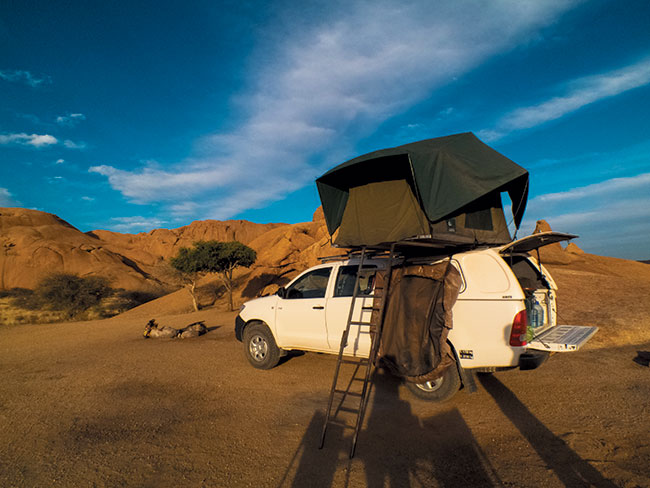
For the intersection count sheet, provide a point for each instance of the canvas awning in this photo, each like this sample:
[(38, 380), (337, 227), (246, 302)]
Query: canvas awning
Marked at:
[(454, 182)]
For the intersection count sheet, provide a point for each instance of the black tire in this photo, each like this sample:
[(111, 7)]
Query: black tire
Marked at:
[(260, 347), (440, 390)]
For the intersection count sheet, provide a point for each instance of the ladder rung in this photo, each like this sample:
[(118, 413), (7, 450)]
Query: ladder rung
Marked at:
[(355, 361), (345, 392), (358, 322), (341, 424), (348, 410)]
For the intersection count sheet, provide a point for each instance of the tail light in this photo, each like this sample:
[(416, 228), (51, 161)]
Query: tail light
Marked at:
[(518, 333)]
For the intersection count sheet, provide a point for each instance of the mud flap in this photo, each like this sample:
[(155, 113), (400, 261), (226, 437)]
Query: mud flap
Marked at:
[(467, 378)]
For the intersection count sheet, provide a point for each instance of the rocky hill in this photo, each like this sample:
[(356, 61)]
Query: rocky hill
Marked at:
[(34, 244)]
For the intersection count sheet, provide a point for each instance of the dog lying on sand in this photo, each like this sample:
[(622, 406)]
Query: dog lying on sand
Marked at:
[(152, 329)]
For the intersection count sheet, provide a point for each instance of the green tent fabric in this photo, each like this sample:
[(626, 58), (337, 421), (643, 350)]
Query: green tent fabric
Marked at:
[(366, 209), (449, 177)]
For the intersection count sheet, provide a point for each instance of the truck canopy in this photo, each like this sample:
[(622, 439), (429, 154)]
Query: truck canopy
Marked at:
[(446, 189)]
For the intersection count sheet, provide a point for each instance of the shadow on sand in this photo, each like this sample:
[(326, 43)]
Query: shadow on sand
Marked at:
[(570, 468), (395, 449)]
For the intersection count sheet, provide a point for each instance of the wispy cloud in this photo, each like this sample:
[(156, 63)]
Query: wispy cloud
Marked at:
[(39, 141), (60, 161), (70, 119), (577, 94), (600, 212), (135, 224), (6, 198), (36, 140), (19, 76), (74, 145), (328, 86), (613, 185)]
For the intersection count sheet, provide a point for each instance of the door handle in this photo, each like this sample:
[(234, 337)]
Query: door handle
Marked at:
[(318, 307)]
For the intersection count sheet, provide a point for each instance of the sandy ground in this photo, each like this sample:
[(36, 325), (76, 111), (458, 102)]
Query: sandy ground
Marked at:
[(95, 404)]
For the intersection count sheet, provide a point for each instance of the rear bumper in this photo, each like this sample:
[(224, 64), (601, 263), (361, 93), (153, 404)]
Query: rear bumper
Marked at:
[(239, 328), (532, 359)]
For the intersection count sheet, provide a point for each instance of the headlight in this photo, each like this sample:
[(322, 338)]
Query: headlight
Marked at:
[(241, 309)]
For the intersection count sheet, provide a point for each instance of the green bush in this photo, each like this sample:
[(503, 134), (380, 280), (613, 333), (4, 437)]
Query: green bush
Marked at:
[(24, 298), (72, 294)]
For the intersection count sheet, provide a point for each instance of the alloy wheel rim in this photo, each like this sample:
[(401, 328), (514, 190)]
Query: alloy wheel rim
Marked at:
[(258, 348), (430, 385)]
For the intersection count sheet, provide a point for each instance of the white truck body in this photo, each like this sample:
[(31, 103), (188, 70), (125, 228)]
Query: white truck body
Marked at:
[(312, 312)]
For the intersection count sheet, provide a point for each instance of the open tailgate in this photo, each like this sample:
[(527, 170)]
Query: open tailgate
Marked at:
[(563, 338)]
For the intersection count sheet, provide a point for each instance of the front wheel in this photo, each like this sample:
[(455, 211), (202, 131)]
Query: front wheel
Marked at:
[(438, 390), (260, 347)]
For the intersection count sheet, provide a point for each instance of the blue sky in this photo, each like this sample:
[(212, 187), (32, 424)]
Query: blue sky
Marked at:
[(135, 115)]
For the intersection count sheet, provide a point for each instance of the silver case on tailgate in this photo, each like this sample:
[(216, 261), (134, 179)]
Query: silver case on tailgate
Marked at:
[(563, 338)]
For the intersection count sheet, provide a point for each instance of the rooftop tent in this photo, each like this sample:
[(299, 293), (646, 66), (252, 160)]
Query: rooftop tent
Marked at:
[(444, 189)]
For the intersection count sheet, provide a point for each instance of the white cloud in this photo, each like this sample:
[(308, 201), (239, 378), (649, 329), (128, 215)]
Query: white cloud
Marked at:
[(74, 145), (605, 215), (20, 76), (60, 161), (88, 199), (613, 185), (6, 198), (135, 224), (600, 213), (326, 87), (70, 119), (42, 140), (39, 140), (36, 140), (579, 93)]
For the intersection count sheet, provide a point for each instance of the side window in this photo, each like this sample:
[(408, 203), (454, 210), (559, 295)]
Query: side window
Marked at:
[(479, 220), (310, 285), (347, 275)]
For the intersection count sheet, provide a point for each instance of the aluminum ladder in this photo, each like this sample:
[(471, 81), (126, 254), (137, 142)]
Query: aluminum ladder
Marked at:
[(379, 294)]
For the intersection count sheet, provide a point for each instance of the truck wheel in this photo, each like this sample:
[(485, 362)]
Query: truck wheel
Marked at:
[(439, 390), (260, 347)]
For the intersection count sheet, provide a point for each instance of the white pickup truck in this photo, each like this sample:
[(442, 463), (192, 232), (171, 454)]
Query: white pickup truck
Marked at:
[(505, 316)]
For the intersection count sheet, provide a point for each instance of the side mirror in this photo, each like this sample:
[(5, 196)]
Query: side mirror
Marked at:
[(282, 292)]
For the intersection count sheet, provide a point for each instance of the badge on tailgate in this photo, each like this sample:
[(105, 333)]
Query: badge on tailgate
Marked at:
[(563, 338)]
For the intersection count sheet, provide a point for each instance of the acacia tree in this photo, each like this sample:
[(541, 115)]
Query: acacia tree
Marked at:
[(230, 256), (212, 257)]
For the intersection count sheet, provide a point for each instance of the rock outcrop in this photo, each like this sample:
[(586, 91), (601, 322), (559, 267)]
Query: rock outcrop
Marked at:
[(34, 244)]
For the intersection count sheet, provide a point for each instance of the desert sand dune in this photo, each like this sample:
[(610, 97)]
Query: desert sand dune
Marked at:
[(96, 404)]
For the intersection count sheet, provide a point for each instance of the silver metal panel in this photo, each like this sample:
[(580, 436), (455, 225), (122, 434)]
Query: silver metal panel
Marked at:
[(563, 338)]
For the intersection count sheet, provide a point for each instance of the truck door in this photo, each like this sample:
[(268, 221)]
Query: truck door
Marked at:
[(300, 317), (338, 308)]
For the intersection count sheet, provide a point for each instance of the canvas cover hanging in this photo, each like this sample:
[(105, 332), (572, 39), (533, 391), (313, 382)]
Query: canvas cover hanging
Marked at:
[(418, 319)]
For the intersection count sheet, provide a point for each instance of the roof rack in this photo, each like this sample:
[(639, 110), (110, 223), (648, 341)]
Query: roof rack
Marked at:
[(422, 246), (370, 252)]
